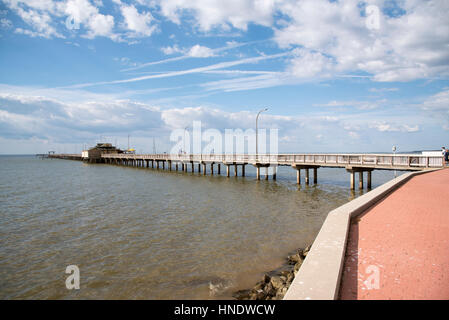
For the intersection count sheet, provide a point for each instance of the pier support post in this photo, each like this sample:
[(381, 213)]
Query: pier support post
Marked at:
[(298, 176), (315, 175), (157, 164), (199, 167), (169, 165), (266, 173), (258, 173), (152, 164), (235, 170), (368, 179), (352, 180), (227, 171), (307, 176), (219, 169), (361, 180), (204, 168), (212, 169), (193, 167), (243, 170), (176, 166), (274, 172)]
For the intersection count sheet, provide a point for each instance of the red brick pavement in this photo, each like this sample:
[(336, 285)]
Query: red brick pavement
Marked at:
[(403, 241)]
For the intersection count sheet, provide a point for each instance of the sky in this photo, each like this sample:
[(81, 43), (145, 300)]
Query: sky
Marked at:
[(336, 76)]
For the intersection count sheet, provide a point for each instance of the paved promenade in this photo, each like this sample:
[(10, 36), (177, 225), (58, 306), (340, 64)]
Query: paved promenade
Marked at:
[(403, 242)]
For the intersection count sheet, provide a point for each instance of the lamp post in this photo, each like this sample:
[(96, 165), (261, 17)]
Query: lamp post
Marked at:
[(185, 129), (257, 142)]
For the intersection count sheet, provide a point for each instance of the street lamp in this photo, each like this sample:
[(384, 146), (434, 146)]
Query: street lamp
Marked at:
[(257, 142), (185, 129)]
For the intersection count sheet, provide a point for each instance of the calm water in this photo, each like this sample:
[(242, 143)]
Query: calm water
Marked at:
[(145, 234)]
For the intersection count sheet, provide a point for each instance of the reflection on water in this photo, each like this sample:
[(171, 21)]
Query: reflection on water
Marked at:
[(140, 233)]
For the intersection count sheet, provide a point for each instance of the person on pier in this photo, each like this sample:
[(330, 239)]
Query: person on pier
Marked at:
[(445, 153)]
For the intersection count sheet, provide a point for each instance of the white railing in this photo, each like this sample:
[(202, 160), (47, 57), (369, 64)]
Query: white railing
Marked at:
[(366, 160)]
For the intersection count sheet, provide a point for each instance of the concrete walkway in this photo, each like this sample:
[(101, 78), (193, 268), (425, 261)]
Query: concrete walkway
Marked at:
[(399, 249)]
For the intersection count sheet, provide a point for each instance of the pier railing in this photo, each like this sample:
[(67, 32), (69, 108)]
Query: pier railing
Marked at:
[(403, 161)]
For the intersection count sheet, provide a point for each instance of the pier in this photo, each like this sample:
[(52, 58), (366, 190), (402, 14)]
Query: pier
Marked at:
[(360, 165)]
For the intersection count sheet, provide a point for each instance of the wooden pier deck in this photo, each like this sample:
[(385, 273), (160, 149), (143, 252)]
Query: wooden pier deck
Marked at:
[(353, 163)]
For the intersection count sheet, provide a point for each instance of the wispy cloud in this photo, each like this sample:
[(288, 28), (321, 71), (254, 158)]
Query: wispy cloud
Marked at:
[(190, 53), (221, 65)]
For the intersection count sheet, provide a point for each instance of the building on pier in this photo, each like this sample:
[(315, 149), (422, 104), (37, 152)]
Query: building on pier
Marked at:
[(94, 154)]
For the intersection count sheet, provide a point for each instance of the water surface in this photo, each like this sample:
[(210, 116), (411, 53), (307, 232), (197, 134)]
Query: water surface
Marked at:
[(138, 233)]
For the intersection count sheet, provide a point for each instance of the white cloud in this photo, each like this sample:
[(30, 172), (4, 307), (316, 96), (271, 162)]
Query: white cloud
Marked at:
[(100, 25), (407, 47), (332, 36), (384, 126), (44, 16), (221, 65), (358, 104), (246, 83), (78, 116), (138, 23), (437, 106), (5, 23), (40, 21), (198, 51), (381, 90), (83, 12), (354, 134), (217, 13), (172, 49), (309, 64)]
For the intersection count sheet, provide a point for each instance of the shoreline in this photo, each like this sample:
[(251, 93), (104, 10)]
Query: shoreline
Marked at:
[(275, 283)]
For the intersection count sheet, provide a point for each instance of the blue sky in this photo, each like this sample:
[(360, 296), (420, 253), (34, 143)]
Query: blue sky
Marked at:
[(337, 76)]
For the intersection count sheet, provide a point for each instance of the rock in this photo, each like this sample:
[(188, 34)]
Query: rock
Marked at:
[(293, 259), (259, 286), (306, 251), (269, 290), (266, 278), (279, 295), (285, 273), (260, 295), (297, 266), (242, 294), (276, 282)]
